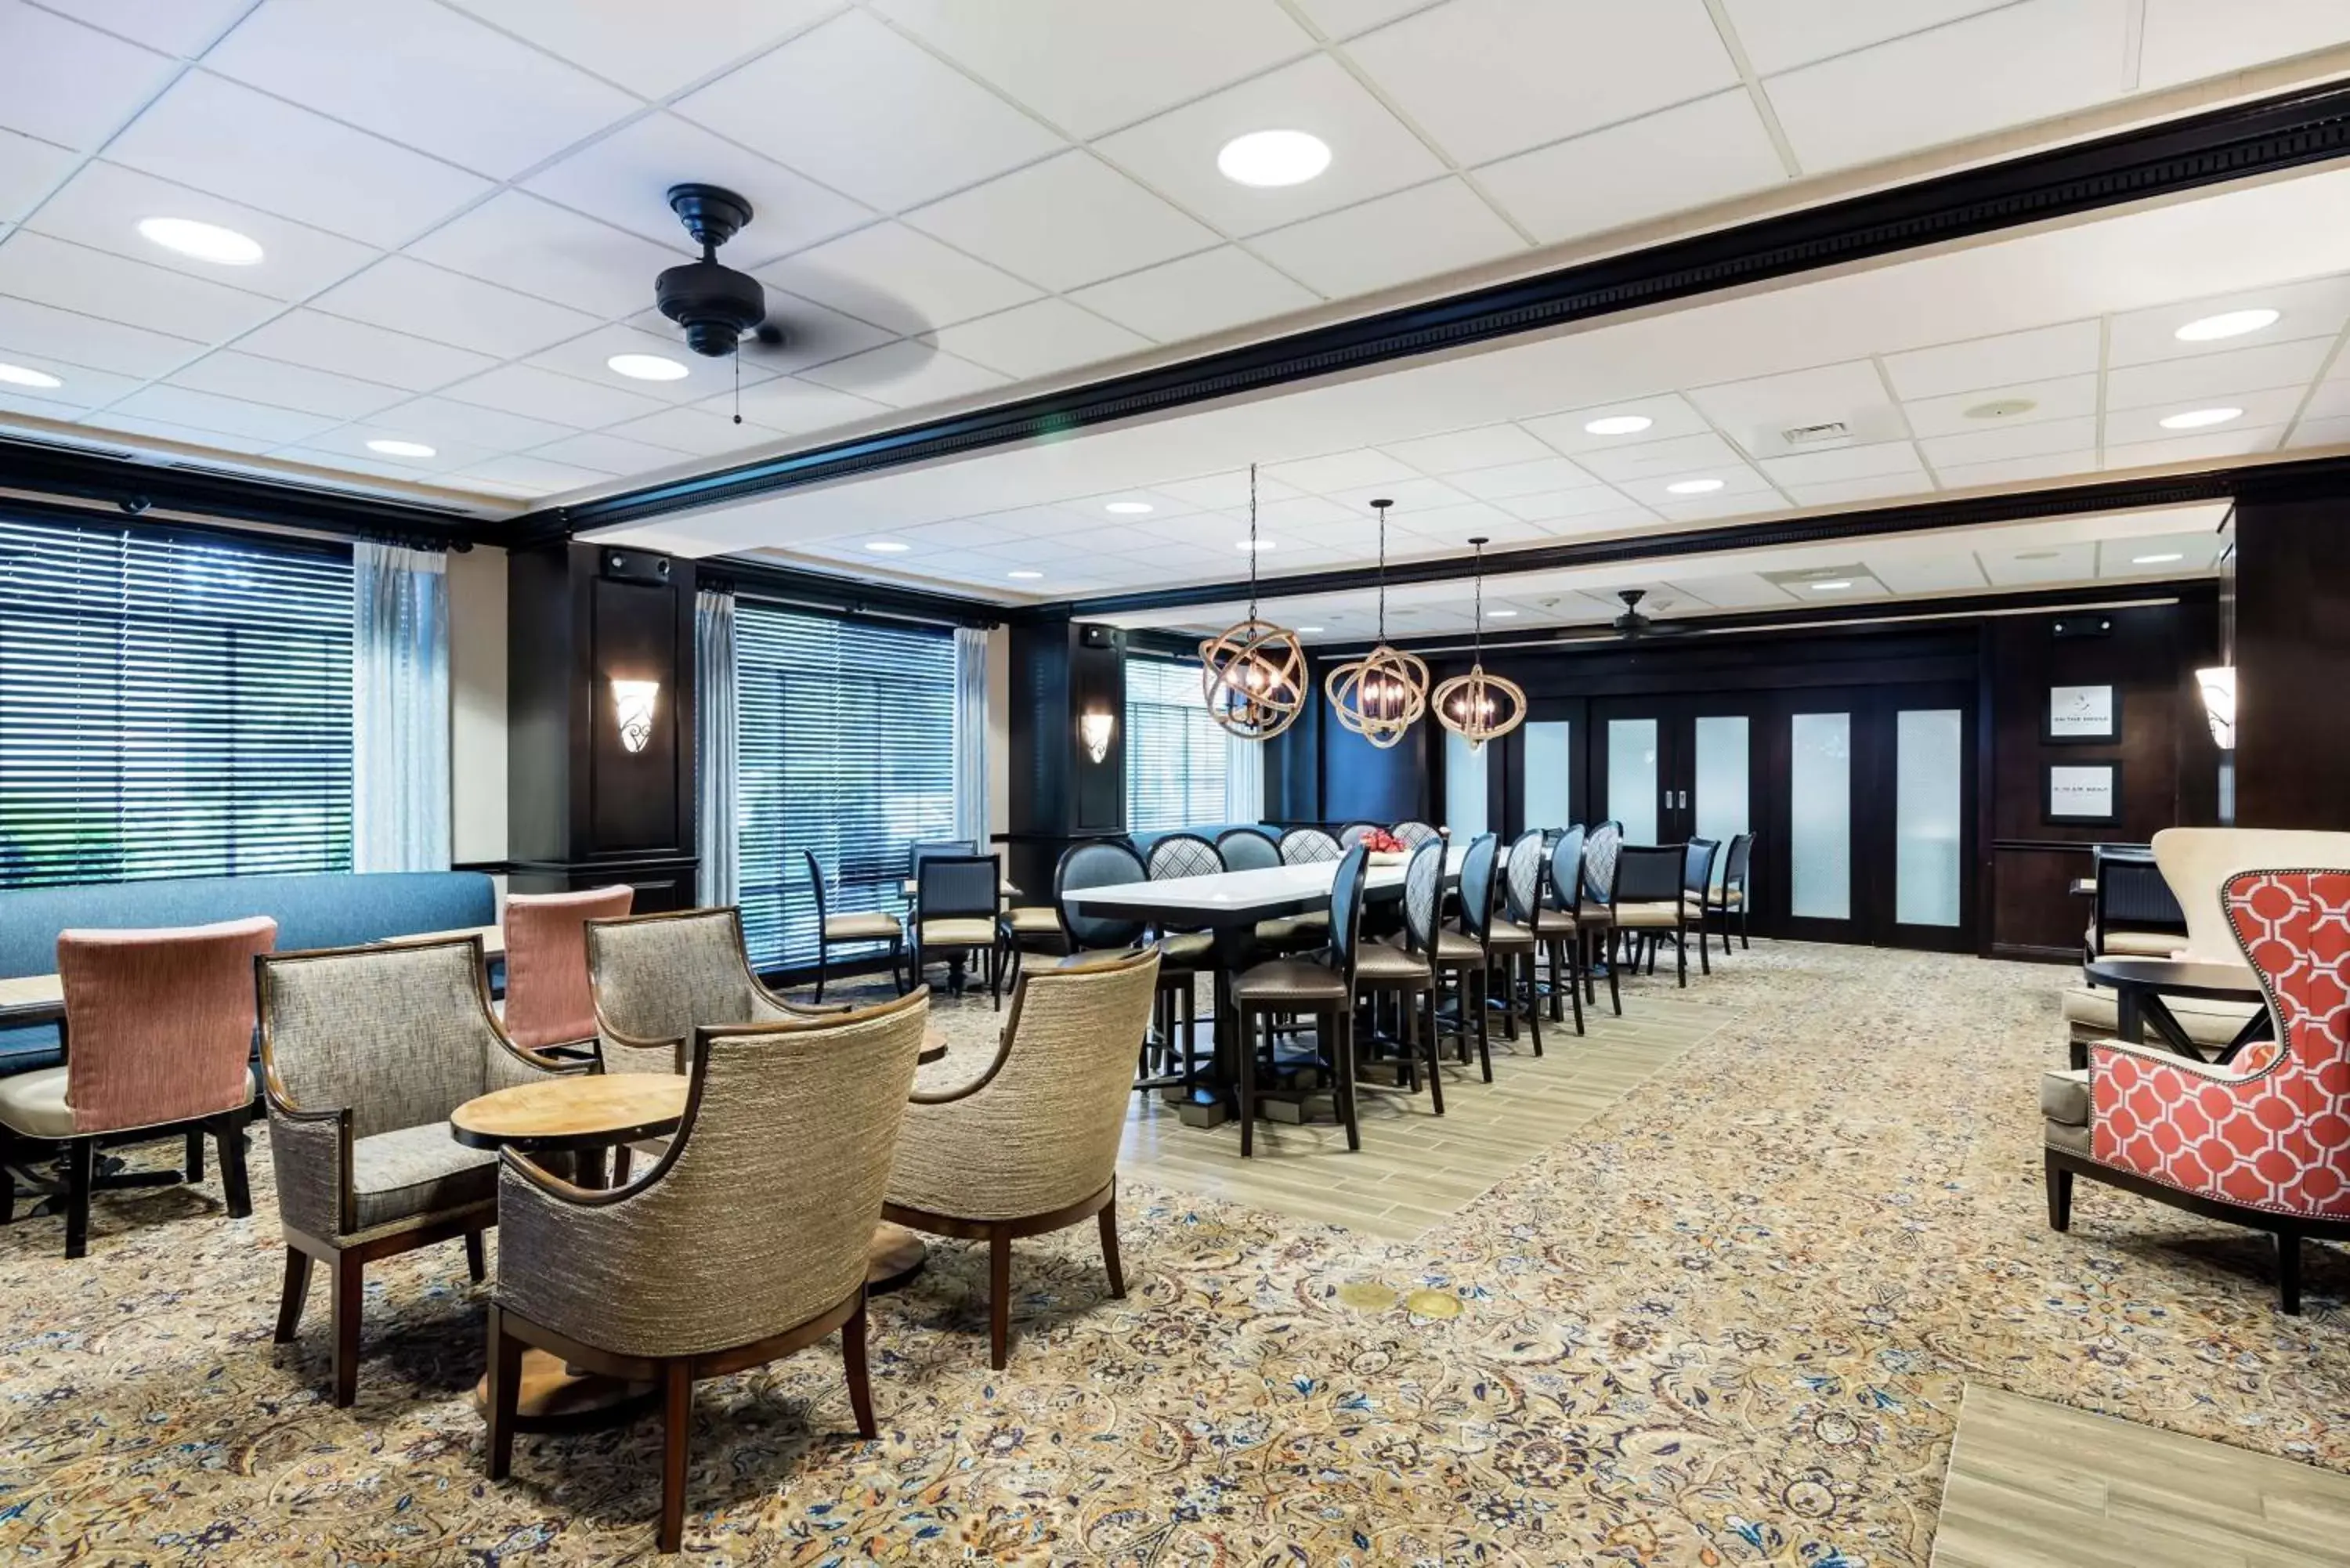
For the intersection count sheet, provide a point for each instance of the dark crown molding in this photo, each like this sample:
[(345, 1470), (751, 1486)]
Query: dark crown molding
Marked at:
[(847, 596)]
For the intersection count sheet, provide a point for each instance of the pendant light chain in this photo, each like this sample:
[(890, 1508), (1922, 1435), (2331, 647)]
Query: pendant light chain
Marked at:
[(1252, 614), (1381, 695), (1252, 676)]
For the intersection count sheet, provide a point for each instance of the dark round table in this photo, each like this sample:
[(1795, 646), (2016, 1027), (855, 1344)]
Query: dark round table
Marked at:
[(2141, 984)]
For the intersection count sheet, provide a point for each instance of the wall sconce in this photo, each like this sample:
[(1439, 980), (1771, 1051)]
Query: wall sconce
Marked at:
[(2219, 685), (1094, 731), (633, 707)]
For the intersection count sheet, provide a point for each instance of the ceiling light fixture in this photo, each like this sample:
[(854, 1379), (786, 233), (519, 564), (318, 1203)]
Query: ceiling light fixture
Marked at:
[(401, 447), (1501, 614), (1252, 676), (2227, 324), (1619, 424), (2164, 560), (1478, 707), (1267, 159), (1382, 694), (1832, 585), (1023, 576), (205, 242), (887, 546), (1128, 508), (24, 376), (2198, 419), (1694, 487), (2002, 409), (647, 367)]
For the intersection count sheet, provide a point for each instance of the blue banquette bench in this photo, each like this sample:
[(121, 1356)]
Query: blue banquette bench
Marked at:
[(329, 910)]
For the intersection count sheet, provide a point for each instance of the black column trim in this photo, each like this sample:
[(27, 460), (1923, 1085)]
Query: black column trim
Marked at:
[(2288, 131)]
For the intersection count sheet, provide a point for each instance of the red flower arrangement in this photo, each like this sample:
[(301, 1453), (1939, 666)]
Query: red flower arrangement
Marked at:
[(1379, 841)]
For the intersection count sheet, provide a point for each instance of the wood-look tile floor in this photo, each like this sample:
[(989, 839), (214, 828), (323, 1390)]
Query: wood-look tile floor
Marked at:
[(2035, 1485), (1416, 1169)]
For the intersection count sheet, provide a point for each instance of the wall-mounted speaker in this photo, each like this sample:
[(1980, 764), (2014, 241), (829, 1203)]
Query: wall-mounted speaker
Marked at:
[(2073, 626), (636, 566), (1095, 636)]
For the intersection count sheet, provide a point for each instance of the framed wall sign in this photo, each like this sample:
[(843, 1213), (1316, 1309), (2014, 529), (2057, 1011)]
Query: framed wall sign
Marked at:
[(2083, 714), (2086, 793)]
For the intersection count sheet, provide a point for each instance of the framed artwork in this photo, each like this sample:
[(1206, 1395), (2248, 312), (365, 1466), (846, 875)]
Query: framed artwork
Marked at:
[(2081, 792), (2082, 713)]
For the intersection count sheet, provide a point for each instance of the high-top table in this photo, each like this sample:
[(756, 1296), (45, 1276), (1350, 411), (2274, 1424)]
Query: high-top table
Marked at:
[(1229, 904)]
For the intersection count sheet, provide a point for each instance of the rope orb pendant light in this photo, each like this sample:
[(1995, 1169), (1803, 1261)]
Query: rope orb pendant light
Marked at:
[(1478, 707), (1253, 674), (1384, 693)]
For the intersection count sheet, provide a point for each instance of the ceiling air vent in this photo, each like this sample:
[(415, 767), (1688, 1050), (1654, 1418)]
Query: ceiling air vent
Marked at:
[(1815, 435)]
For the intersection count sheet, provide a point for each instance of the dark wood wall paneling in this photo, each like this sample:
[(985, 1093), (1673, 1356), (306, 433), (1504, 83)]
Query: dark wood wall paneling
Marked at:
[(1060, 671), (2293, 663)]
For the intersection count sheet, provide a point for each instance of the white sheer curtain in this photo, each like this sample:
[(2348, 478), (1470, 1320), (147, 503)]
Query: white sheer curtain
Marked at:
[(1244, 779), (400, 708), (717, 757), (970, 735)]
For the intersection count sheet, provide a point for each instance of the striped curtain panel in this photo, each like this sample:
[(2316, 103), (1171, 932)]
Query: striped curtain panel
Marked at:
[(717, 750), (970, 735), (400, 709)]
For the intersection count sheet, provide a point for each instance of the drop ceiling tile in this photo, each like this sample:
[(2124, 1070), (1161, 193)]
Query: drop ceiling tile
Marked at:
[(72, 277), (14, 400), (2327, 400), (1226, 492), (228, 416), (1163, 506), (1412, 498), (544, 395), (2043, 354), (215, 135), (2066, 397), (1833, 465), (1739, 483), (1645, 459), (346, 447), (898, 278), (43, 332), (2021, 63), (185, 435), (1372, 151), (522, 242), (1729, 590), (871, 114), (1303, 512), (2187, 40), (1723, 503), (2011, 441), (1068, 220), (1552, 505), (2223, 376), (535, 475), (424, 76), (610, 454), (1945, 570), (2333, 430), (1877, 487), (231, 374), (324, 342), (70, 84), (1755, 412), (1346, 18), (699, 432), (1457, 451), (624, 179), (1090, 65), (27, 169), (1391, 239), (2140, 556), (2276, 407), (2020, 567), (181, 27), (2018, 470), (964, 534), (1489, 78), (1544, 475), (1779, 34), (1614, 522), (2317, 309), (102, 207), (651, 50), (1669, 161), (905, 375), (2197, 446), (585, 358), (82, 387), (798, 407), (1453, 526), (407, 296), (440, 422), (1668, 416), (1211, 292), (1339, 471)]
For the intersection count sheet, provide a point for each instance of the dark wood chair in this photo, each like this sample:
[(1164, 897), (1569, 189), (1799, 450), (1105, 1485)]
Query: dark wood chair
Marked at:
[(1512, 943), (958, 913), (857, 928), (1645, 902), (1697, 880), (1271, 993), (1558, 922)]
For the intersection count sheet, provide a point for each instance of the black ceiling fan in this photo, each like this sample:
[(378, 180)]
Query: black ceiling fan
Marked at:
[(1631, 626)]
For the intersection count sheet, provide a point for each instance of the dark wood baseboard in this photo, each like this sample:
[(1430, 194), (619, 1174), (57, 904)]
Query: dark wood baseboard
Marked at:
[(2029, 954)]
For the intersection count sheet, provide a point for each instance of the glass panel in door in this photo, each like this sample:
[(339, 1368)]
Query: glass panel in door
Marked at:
[(1927, 816), (1549, 768), (1819, 838), (1632, 777), (1720, 768), (1464, 788)]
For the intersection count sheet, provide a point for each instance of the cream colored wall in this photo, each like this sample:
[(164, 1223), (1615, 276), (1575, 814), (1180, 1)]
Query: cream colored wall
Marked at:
[(477, 704), (999, 729)]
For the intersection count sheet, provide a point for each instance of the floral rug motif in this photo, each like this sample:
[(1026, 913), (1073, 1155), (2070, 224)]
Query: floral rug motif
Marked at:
[(1725, 1324)]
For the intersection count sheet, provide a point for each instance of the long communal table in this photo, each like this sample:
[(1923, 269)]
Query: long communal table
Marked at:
[(1229, 904)]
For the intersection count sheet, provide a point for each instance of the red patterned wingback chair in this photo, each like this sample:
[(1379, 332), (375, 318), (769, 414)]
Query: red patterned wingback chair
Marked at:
[(2263, 1141)]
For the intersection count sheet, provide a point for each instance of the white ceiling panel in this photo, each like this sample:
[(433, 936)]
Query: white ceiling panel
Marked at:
[(1830, 465), (587, 357), (1413, 498), (1068, 220), (2189, 39), (2274, 407), (2209, 376), (231, 374), (2023, 469), (2021, 568), (904, 374), (1722, 590), (610, 454), (1647, 459), (1037, 339), (27, 169), (700, 431), (102, 205), (68, 84), (1340, 471), (2202, 446), (71, 277), (215, 135), (83, 387), (184, 435), (1200, 295), (536, 475), (2333, 430), (2007, 441), (1738, 483), (870, 113), (231, 416), (41, 333), (1226, 492), (1460, 450), (182, 27), (409, 297), (1780, 34), (2145, 556), (1668, 161), (15, 400), (1668, 416), (2329, 399), (544, 395), (1942, 567), (1755, 412), (1391, 239), (1090, 65), (1489, 78), (1535, 477), (1372, 152), (1344, 18), (2317, 309), (653, 50), (788, 403), (442, 422), (898, 278), (2066, 397), (333, 343), (1846, 491), (1558, 505), (423, 75), (538, 248), (2041, 354), (346, 447)]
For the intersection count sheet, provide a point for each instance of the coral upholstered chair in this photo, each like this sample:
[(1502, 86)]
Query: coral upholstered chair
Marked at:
[(2263, 1141), (548, 999), (160, 1039)]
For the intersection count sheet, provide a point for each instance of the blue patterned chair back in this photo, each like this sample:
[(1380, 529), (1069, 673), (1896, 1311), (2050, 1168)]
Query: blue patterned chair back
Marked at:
[(1347, 912), (1599, 850), (1478, 883), (1246, 849), (1565, 880), (1415, 833), (1098, 864), (1352, 833), (1183, 855), (1523, 878), (1308, 846), (1423, 894)]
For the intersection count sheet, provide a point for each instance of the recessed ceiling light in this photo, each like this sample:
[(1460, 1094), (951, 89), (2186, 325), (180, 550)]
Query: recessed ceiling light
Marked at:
[(1619, 424), (1128, 508), (1499, 614), (1270, 157), (401, 447), (647, 367), (2036, 554), (1309, 630), (2196, 419), (1255, 545), (205, 242), (2163, 559), (887, 546), (1693, 486), (1832, 585), (22, 376), (2227, 324), (2002, 409), (1025, 576)]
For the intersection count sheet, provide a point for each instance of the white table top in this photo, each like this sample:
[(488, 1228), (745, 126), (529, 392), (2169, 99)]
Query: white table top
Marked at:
[(1234, 896)]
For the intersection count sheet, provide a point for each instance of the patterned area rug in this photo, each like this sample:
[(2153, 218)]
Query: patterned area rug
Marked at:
[(1726, 1323)]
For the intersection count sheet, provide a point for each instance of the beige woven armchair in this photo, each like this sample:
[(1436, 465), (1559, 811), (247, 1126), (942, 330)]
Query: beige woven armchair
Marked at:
[(1031, 1145), (747, 1241), (657, 977), (364, 1053)]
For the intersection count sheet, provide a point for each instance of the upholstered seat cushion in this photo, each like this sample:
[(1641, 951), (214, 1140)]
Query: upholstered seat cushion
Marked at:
[(1186, 949), (1379, 964), (2206, 1023), (1554, 923), (1452, 947), (1508, 934), (1291, 980), (1719, 897), (34, 1103), (1035, 919), (409, 1171), (873, 927), (1663, 912), (1292, 931), (2064, 1110), (959, 933), (2134, 944)]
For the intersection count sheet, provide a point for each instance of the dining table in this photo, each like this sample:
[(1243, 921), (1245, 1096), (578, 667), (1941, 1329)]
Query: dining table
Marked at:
[(1228, 905), (2140, 986)]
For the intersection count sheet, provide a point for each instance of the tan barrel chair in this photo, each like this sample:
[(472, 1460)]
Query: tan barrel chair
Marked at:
[(657, 977), (746, 1241), (1031, 1144)]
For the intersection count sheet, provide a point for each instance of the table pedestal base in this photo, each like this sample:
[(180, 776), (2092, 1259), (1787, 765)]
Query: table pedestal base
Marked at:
[(556, 1399), (898, 1255)]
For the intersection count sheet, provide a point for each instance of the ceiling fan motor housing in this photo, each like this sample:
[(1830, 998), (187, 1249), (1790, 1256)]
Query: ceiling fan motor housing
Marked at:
[(715, 304)]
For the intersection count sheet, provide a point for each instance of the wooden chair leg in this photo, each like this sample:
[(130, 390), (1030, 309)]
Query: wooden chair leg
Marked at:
[(2060, 1193), (1575, 979), (1485, 979), (194, 1170), (293, 1293), (1342, 1037), (345, 1296), (1680, 955), (476, 1266), (81, 1174), (1615, 991), (1533, 1003), (1435, 1066), (898, 976), (677, 1428), (1248, 1084), (2288, 1253), (1509, 993), (852, 1361), (506, 1392), (823, 952), (1108, 1219), (999, 1298), (228, 1138)]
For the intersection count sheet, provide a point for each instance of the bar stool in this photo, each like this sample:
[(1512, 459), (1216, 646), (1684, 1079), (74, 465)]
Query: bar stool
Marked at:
[(1107, 865), (1557, 924), (1510, 938), (1296, 986)]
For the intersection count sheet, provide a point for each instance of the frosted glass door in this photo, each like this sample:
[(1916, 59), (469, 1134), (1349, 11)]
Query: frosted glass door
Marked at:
[(1819, 836), (1549, 783), (1464, 788), (1926, 804), (1721, 791), (1632, 777)]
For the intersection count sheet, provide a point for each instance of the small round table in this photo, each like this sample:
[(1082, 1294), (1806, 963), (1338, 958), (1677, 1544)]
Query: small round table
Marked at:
[(2140, 984)]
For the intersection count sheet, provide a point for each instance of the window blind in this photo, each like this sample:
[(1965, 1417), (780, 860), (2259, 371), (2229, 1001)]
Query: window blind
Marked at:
[(847, 749), (171, 705), (1174, 751)]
